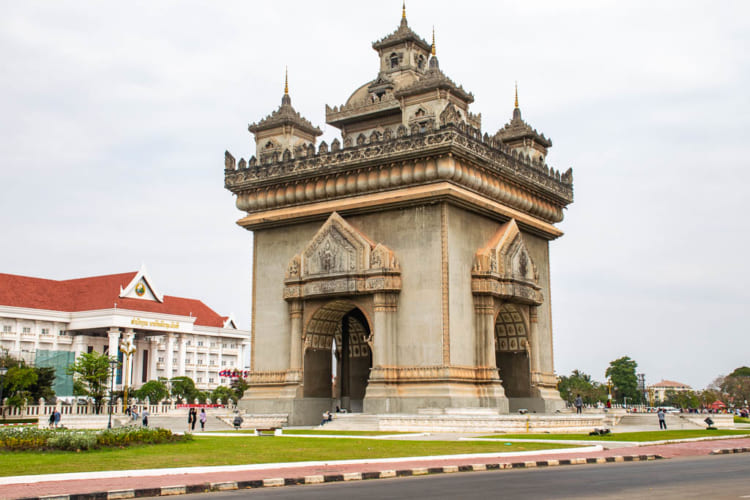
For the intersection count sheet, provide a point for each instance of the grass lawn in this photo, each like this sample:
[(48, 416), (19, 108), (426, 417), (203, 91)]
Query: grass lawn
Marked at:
[(629, 436), (740, 420), (206, 451)]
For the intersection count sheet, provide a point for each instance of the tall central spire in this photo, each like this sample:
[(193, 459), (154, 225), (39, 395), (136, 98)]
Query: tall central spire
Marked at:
[(516, 105), (285, 99), (433, 41), (403, 10)]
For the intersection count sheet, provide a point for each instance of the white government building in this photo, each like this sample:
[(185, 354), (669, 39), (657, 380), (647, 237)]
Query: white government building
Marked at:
[(50, 323)]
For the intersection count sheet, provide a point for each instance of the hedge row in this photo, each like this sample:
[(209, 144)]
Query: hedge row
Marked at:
[(81, 440)]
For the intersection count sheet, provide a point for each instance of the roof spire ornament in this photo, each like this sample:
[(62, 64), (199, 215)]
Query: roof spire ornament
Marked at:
[(516, 106), (433, 41), (403, 9), (285, 99)]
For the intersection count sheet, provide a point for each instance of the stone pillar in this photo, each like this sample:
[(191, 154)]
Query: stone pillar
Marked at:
[(384, 350), (484, 325), (182, 354), (534, 347), (170, 355), (295, 351), (114, 341)]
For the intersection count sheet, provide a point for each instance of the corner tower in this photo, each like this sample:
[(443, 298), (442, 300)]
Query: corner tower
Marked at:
[(405, 265)]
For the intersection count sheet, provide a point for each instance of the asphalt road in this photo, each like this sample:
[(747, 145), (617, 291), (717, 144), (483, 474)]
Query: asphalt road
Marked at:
[(714, 477)]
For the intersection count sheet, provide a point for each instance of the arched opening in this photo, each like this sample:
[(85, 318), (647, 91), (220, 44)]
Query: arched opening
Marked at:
[(511, 352), (337, 355), (394, 60)]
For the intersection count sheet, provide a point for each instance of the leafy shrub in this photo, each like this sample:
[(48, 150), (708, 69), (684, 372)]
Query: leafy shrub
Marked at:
[(72, 441), (31, 438)]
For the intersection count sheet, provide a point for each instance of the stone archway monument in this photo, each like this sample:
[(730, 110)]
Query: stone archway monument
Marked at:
[(405, 266)]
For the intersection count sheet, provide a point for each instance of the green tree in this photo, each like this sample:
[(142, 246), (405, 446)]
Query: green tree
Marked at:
[(42, 388), (682, 399), (183, 388), (581, 383), (91, 372), (735, 387), (622, 374), (154, 390), (239, 386), (16, 384), (26, 386), (224, 393)]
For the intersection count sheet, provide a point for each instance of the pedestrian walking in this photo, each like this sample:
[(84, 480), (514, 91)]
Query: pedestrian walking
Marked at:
[(145, 418), (579, 404), (52, 420), (203, 419), (237, 421), (193, 418), (57, 418), (662, 418)]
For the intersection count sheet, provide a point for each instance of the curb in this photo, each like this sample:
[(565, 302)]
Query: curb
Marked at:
[(727, 451), (332, 478)]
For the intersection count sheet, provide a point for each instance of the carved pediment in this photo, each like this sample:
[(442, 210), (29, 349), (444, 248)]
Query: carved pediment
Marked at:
[(340, 259), (504, 267)]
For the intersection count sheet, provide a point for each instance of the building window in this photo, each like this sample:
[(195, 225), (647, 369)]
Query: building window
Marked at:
[(394, 60), (212, 362), (62, 332), (213, 344), (26, 329), (200, 361), (90, 349), (200, 380), (200, 343), (161, 360), (187, 343), (224, 346), (223, 362), (6, 328), (45, 331), (210, 380)]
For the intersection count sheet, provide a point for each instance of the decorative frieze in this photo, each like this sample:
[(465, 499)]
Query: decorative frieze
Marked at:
[(456, 153)]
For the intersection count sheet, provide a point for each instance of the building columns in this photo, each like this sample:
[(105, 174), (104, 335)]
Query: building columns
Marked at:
[(114, 342), (384, 350), (484, 324), (153, 349), (182, 355), (534, 346), (295, 350), (170, 356)]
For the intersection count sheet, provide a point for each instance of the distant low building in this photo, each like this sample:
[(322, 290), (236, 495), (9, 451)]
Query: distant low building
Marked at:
[(51, 323), (661, 388)]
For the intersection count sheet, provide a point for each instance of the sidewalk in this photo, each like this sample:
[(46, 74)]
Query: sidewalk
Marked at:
[(156, 482)]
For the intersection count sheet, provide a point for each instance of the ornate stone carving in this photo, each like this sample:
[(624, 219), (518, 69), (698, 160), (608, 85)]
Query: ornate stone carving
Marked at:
[(504, 267), (450, 115), (338, 260)]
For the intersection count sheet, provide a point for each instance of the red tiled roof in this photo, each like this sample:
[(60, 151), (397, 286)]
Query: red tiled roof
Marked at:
[(669, 383), (97, 292)]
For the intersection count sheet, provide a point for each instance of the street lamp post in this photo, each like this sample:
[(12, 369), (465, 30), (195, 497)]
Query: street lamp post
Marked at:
[(112, 365), (3, 371), (128, 349)]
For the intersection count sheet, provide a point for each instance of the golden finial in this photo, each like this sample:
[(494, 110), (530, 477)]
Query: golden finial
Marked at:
[(403, 10), (433, 41), (286, 81), (516, 94)]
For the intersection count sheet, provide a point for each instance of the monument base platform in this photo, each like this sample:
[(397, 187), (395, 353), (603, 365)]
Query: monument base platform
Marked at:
[(468, 420)]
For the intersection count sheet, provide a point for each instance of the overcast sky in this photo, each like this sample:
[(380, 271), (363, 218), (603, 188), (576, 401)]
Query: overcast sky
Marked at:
[(114, 118)]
